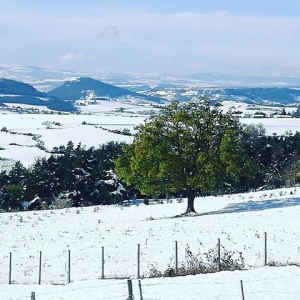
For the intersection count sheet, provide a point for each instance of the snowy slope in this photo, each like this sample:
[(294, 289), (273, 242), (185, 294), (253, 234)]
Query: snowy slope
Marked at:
[(240, 222)]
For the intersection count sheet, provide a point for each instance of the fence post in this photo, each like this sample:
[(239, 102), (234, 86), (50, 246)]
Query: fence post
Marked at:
[(176, 256), (266, 250), (219, 255), (9, 274), (141, 293), (138, 262), (242, 289), (130, 295), (40, 268), (32, 295), (102, 264), (69, 266)]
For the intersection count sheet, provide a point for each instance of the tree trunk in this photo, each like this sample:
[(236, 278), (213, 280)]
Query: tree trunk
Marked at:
[(190, 202)]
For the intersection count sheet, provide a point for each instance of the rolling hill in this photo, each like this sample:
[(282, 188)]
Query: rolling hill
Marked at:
[(91, 89), (277, 96), (155, 87), (16, 92)]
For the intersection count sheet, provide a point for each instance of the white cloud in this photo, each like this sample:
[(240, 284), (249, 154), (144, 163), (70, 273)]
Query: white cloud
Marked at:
[(73, 56)]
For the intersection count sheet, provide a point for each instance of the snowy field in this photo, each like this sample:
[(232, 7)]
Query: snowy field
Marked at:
[(239, 221), (90, 128)]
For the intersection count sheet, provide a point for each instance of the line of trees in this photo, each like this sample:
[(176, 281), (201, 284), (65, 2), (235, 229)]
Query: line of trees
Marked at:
[(190, 149), (72, 176)]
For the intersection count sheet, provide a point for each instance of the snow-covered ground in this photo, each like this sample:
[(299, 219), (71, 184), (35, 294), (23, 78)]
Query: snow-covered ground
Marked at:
[(90, 128), (276, 126), (239, 221)]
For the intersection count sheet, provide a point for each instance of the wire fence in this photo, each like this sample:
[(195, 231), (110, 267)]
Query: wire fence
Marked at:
[(114, 262)]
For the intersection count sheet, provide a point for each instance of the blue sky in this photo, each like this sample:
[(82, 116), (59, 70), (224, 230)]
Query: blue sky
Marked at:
[(235, 37)]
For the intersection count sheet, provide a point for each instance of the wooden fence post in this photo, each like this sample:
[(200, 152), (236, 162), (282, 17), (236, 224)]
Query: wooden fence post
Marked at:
[(130, 295), (219, 255), (138, 261), (9, 274), (102, 264), (266, 250), (140, 288), (242, 289), (32, 295), (40, 268), (69, 266), (176, 256)]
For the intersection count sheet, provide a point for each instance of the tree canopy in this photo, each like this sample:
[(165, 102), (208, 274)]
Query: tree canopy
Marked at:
[(191, 147)]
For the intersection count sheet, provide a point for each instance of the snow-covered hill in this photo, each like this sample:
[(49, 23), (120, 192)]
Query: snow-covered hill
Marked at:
[(46, 79), (252, 90), (276, 96), (90, 89), (239, 221), (16, 92)]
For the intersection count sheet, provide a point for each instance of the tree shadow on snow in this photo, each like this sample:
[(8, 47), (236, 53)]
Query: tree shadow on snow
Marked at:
[(254, 206)]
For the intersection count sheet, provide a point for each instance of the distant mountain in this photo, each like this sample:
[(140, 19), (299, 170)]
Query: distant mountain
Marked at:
[(88, 88), (47, 79), (40, 78), (224, 80), (12, 91), (262, 96), (250, 89), (12, 87)]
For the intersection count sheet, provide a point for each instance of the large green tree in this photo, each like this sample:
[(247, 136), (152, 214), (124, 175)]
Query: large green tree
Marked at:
[(189, 147)]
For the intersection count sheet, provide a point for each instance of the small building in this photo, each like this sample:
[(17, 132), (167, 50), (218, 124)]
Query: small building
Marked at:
[(259, 115)]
